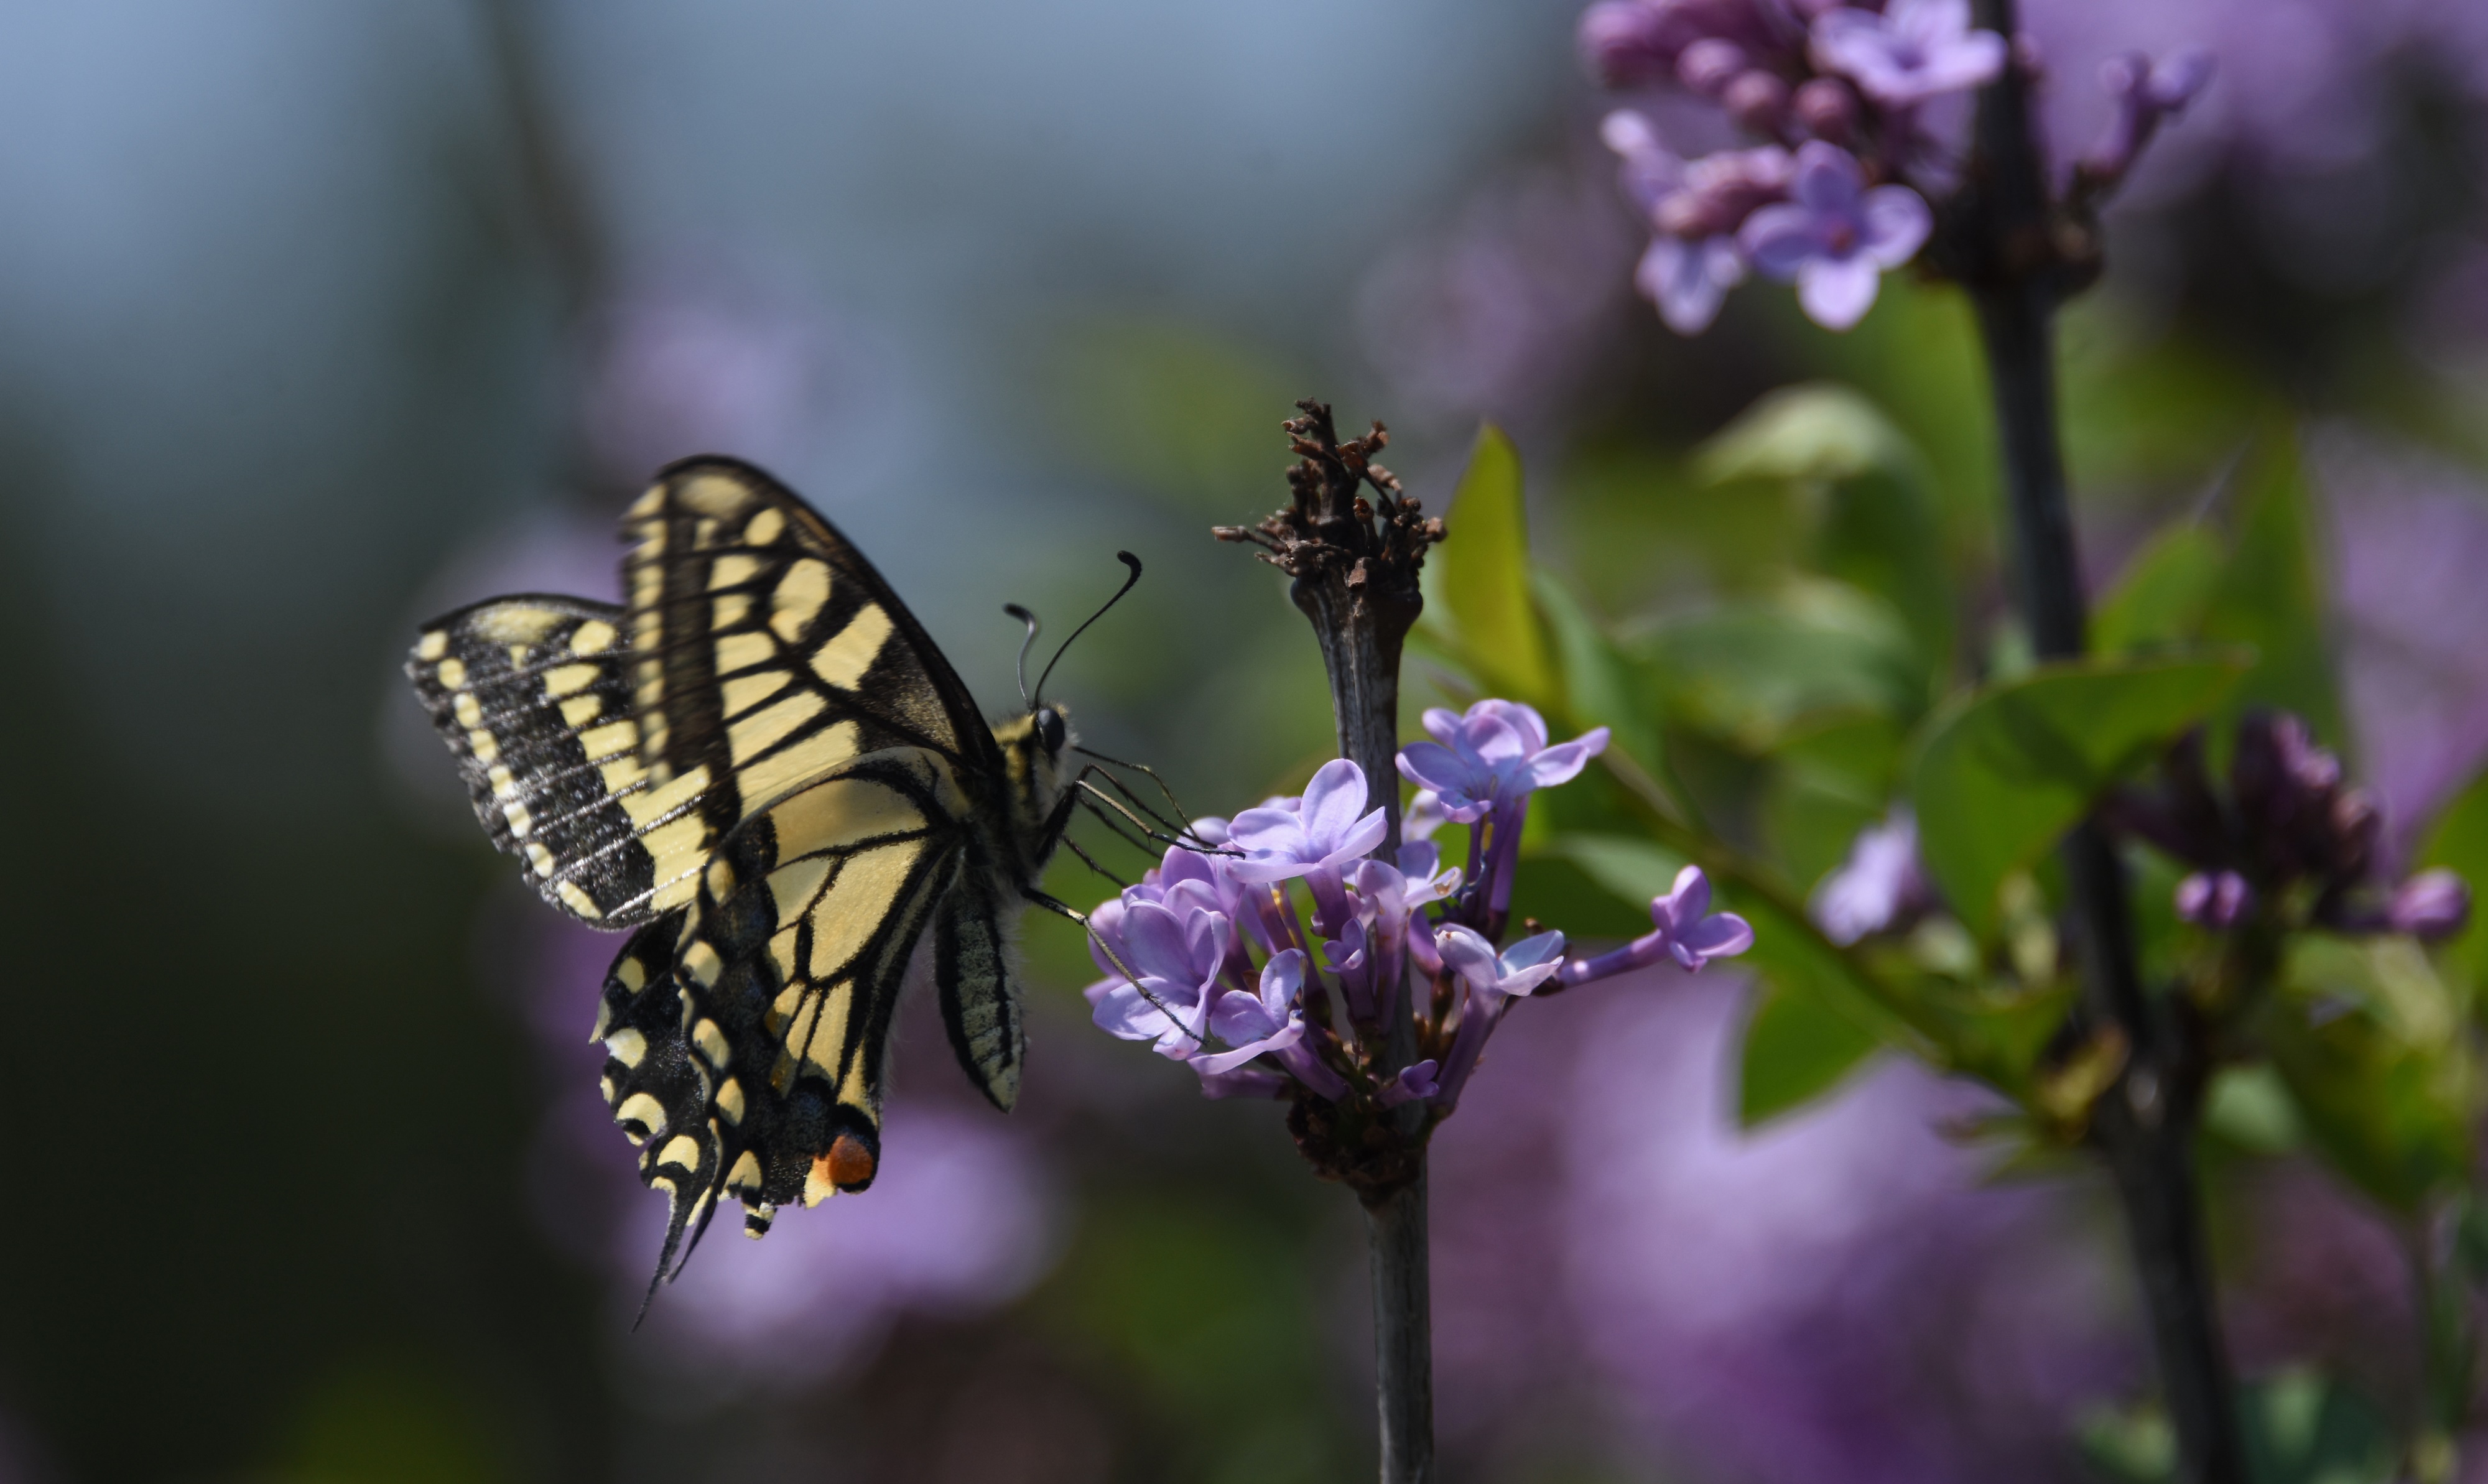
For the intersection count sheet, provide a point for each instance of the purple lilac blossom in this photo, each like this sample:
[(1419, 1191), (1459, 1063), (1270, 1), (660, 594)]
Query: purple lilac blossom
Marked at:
[(1269, 1019), (2217, 900), (1495, 753), (1489, 980), (1482, 765), (1914, 50), (1684, 930), (1877, 886), (1325, 832), (1177, 961), (2146, 94), (1836, 237)]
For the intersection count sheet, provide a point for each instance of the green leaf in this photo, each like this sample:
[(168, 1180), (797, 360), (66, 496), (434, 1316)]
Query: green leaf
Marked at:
[(2270, 597), (2163, 595), (1796, 1050), (1760, 673), (1876, 525), (2459, 842), (1485, 575), (2372, 1044), (2003, 774), (1599, 687)]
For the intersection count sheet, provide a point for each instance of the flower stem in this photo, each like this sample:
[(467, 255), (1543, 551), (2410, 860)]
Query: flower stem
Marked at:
[(2014, 260), (1403, 1344), (1353, 544)]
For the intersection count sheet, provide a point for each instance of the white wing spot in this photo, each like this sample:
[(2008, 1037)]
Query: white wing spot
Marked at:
[(452, 673), (764, 527), (436, 643), (844, 660), (626, 1047)]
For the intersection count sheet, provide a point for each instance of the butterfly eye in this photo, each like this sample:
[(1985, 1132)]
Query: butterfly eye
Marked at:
[(1050, 729)]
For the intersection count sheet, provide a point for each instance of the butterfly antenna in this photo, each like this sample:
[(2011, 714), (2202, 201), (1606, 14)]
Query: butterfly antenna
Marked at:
[(1128, 560), (1020, 669)]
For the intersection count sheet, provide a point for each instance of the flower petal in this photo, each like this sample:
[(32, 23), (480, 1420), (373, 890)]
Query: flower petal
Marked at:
[(1723, 935), (1828, 180), (1564, 762), (1780, 239), (1897, 224), (1333, 800), (1836, 292)]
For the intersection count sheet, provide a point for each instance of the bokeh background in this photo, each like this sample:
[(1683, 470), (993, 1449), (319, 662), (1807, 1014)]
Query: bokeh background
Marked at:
[(316, 321)]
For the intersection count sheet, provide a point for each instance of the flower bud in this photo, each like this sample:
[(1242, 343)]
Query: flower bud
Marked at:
[(1709, 65), (1757, 101), (1628, 43), (1826, 108), (2217, 900), (2433, 903)]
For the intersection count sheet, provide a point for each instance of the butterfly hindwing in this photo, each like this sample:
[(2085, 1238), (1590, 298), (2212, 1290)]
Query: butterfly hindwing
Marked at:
[(784, 976)]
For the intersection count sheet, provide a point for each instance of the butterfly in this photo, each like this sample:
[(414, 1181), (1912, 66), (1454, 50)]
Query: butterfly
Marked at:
[(763, 768)]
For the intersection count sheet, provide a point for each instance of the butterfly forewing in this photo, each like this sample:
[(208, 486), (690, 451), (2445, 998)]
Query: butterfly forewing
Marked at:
[(533, 696)]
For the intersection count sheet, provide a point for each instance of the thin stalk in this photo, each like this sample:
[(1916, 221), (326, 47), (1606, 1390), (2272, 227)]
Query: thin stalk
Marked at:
[(2007, 250), (1354, 544), (1403, 1340)]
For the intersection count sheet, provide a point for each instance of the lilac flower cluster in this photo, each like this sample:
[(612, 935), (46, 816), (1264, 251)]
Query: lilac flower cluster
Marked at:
[(1857, 111), (1214, 960), (2287, 828)]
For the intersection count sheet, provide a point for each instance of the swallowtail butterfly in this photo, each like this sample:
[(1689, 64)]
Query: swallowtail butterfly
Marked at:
[(762, 768)]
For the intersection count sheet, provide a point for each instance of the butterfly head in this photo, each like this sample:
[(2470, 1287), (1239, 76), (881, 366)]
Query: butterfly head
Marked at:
[(1035, 749)]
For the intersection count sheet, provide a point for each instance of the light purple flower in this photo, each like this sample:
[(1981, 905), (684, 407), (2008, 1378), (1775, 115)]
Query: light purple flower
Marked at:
[(1269, 1020), (1423, 817), (1689, 280), (1836, 238), (2217, 900), (2146, 94), (1325, 831), (1177, 961), (1877, 885), (1517, 971), (1684, 929), (1492, 980), (2433, 903), (1915, 50), (1495, 753)]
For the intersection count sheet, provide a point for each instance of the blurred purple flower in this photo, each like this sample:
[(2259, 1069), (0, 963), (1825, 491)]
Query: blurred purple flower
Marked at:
[(2217, 900), (1325, 832), (1836, 238), (1879, 885), (1914, 50), (2410, 534), (1684, 930), (2433, 903), (959, 1222), (1837, 1296), (2146, 95), (1688, 281)]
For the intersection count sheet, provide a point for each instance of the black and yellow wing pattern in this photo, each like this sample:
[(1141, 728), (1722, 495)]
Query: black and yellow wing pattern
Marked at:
[(763, 768)]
